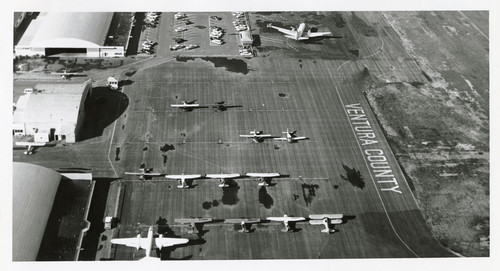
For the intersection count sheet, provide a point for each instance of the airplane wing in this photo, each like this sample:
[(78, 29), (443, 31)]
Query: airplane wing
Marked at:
[(288, 218), (177, 177), (239, 220), (168, 242), (131, 242), (251, 136), (330, 216), (299, 138), (320, 221), (143, 174), (193, 220), (287, 32), (26, 144), (184, 105), (318, 34), (263, 175), (281, 138), (223, 176)]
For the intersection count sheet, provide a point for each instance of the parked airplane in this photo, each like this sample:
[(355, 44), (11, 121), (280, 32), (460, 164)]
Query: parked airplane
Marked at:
[(182, 179), (256, 136), (223, 178), (326, 220), (193, 221), (67, 75), (222, 106), (264, 178), (31, 146), (186, 105), (143, 172), (285, 219), (148, 243), (243, 222), (299, 33), (290, 137)]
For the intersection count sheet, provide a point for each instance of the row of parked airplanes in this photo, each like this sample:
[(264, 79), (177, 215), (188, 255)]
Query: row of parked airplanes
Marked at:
[(150, 242)]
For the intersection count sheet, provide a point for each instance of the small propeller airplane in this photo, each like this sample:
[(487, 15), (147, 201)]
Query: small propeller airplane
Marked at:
[(222, 178), (31, 146), (67, 75), (286, 219), (299, 33), (326, 220), (256, 136), (243, 222), (143, 173), (264, 178), (186, 105), (290, 137), (182, 179), (149, 242), (193, 221)]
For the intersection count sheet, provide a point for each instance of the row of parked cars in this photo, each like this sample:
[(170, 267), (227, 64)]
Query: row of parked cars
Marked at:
[(178, 41), (151, 19)]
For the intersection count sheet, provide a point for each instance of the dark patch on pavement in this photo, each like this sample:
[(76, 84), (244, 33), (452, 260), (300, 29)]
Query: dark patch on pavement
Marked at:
[(363, 27), (230, 194), (200, 26), (231, 65), (166, 148), (265, 199), (309, 192), (354, 52), (145, 148), (282, 95), (353, 176)]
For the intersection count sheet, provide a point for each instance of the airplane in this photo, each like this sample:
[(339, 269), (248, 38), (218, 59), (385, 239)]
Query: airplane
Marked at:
[(299, 33), (265, 178), (243, 222), (289, 136), (256, 136), (67, 75), (222, 106), (182, 179), (143, 172), (31, 146), (326, 220), (223, 178), (186, 105), (285, 219), (193, 221), (147, 243)]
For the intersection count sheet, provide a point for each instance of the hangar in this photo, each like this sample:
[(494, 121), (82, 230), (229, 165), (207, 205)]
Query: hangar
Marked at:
[(39, 203), (74, 34), (51, 111)]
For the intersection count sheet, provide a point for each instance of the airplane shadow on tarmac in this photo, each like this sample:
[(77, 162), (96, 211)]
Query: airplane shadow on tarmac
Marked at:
[(353, 176), (101, 108)]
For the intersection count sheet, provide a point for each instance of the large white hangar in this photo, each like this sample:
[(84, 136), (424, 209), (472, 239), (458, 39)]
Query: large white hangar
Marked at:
[(72, 34), (51, 111)]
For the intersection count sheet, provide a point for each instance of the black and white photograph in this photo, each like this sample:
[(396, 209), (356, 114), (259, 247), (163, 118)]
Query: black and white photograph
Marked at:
[(311, 135)]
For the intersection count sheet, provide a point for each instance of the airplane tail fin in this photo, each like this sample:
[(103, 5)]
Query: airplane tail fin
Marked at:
[(150, 259)]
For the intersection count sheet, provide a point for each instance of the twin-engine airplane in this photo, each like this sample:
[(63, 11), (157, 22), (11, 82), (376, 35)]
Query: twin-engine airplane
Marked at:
[(299, 33), (286, 219), (326, 220), (143, 173), (147, 243), (31, 146), (182, 179), (186, 105), (256, 136), (290, 137)]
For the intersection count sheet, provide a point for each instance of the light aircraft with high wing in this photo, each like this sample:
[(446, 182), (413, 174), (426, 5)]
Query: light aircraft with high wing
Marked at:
[(290, 137), (182, 179), (67, 75), (299, 34), (264, 178), (326, 220), (149, 242), (193, 221), (256, 136), (143, 173), (222, 178), (31, 146), (186, 105), (286, 219), (243, 222)]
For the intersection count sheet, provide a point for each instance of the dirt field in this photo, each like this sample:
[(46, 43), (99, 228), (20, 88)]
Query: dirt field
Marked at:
[(440, 130)]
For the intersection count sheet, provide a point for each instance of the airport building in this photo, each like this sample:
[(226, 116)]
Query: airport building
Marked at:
[(51, 111), (73, 34), (246, 38), (43, 223)]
